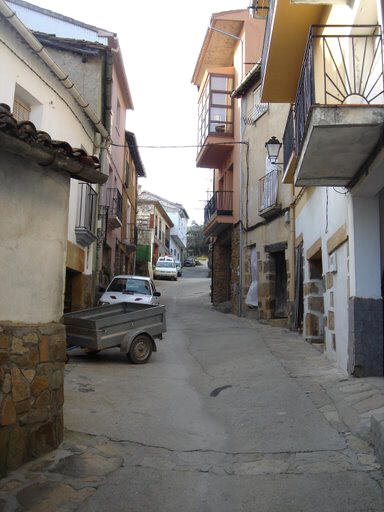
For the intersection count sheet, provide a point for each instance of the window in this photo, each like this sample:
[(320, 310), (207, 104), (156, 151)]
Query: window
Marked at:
[(21, 110), (118, 115), (127, 170), (215, 110)]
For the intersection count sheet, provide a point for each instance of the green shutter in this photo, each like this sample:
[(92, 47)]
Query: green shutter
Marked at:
[(143, 253)]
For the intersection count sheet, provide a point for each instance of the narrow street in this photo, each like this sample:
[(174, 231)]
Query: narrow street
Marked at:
[(228, 415)]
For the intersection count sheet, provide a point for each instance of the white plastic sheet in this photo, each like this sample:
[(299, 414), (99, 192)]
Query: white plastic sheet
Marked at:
[(252, 298)]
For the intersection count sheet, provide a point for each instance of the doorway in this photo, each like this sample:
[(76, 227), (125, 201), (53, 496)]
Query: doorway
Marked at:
[(280, 310)]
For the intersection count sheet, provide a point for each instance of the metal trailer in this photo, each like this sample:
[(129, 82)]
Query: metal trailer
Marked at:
[(132, 327)]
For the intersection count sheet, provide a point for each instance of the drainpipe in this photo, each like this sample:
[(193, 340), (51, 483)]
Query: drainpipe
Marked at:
[(240, 291), (39, 49), (292, 252), (241, 240)]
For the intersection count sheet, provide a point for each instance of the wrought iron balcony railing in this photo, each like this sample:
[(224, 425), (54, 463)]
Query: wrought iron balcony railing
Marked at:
[(288, 139), (86, 215), (343, 65), (268, 192), (220, 204), (115, 203)]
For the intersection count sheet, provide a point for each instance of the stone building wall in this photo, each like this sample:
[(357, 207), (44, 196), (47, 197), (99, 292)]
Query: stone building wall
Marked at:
[(221, 268), (31, 391), (235, 268)]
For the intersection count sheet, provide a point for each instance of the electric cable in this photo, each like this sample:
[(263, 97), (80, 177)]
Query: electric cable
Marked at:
[(181, 146)]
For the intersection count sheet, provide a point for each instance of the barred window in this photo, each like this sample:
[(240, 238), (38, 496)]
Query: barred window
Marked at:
[(21, 111)]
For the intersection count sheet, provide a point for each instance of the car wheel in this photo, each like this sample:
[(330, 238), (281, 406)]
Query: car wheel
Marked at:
[(140, 350)]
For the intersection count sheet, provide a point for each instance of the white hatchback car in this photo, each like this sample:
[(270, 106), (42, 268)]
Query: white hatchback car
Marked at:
[(165, 267), (136, 289)]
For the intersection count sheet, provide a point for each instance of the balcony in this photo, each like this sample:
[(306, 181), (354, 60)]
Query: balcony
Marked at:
[(218, 213), (268, 195), (115, 208), (85, 229), (339, 109), (215, 121), (130, 241)]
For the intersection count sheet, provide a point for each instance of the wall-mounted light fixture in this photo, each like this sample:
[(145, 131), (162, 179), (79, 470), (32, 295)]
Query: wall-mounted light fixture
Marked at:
[(273, 146)]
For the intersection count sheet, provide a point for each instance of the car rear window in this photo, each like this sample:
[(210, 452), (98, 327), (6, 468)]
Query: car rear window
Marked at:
[(168, 264)]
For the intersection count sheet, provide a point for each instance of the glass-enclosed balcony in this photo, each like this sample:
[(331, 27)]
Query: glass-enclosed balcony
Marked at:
[(215, 120)]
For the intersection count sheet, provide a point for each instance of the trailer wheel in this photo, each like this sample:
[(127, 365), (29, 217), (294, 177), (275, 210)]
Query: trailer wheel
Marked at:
[(140, 350)]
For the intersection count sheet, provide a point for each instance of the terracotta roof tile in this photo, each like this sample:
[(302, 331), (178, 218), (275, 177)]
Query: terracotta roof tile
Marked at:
[(25, 131)]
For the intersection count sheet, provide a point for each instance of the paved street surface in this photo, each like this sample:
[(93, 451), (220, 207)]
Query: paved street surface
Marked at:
[(229, 415)]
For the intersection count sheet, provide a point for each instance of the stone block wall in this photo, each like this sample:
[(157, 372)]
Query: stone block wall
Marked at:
[(32, 361), (235, 269), (221, 272), (314, 311)]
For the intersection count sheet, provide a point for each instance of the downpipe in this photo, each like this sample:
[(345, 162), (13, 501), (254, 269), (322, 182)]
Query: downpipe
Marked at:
[(241, 226)]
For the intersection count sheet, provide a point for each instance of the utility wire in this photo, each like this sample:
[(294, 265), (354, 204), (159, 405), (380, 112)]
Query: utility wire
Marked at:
[(181, 146)]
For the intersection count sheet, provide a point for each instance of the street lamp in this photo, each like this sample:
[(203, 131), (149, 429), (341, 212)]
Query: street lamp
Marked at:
[(273, 146)]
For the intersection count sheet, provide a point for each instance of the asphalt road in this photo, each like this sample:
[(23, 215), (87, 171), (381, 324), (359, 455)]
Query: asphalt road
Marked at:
[(213, 423)]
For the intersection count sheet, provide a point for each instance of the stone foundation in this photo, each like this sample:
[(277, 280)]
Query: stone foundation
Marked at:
[(365, 344), (31, 391)]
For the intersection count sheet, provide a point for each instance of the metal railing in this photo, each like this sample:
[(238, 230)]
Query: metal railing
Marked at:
[(268, 191), (115, 203), (87, 205), (288, 139), (255, 113), (220, 204), (339, 68)]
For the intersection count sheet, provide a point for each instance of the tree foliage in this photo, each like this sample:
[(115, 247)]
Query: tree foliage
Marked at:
[(196, 242)]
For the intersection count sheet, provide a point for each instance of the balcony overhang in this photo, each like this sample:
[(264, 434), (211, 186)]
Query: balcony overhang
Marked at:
[(178, 242), (272, 211), (214, 152), (114, 221), (217, 224), (129, 245), (84, 236), (337, 142), (284, 51)]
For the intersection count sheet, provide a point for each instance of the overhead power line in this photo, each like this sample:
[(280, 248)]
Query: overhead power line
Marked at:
[(182, 146)]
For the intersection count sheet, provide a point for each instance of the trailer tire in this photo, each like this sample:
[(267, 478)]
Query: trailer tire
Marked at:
[(140, 350)]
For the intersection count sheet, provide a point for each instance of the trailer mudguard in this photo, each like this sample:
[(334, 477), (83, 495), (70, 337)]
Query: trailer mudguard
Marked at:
[(130, 336)]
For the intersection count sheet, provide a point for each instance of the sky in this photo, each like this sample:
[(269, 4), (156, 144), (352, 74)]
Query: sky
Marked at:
[(160, 43)]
